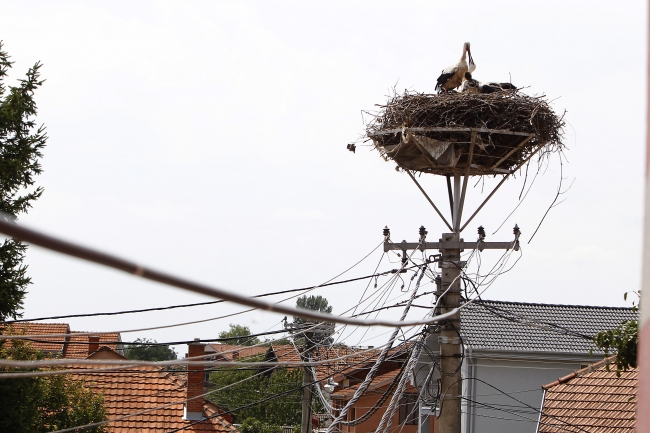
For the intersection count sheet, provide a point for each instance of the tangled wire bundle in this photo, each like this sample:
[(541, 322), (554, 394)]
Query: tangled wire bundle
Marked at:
[(434, 133)]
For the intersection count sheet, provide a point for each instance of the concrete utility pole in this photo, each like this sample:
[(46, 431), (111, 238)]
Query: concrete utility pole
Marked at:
[(449, 295), (450, 348), (305, 423), (314, 332)]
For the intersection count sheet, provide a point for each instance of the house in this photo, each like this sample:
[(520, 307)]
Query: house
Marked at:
[(370, 408), (343, 369), (511, 350), (150, 399), (70, 346), (232, 352), (593, 399), (136, 399), (345, 365)]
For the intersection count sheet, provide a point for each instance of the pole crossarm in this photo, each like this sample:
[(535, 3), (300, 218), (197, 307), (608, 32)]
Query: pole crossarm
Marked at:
[(450, 245)]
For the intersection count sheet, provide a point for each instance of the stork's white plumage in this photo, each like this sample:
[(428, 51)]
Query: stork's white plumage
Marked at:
[(471, 67), (452, 76), (469, 85)]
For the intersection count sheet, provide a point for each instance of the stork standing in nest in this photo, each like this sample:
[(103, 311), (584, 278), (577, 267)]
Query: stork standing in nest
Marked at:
[(452, 76)]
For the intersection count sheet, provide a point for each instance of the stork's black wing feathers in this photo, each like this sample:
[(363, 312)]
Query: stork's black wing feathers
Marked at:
[(443, 78), (508, 86)]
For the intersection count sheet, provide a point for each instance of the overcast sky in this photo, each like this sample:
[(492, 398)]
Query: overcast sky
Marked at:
[(208, 139)]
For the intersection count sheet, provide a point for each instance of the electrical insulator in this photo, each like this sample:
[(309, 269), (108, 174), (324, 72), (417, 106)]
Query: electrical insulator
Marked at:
[(386, 233), (481, 233)]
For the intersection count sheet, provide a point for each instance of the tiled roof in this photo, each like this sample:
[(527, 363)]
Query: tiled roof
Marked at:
[(379, 382), (592, 399), (231, 351), (355, 358), (74, 346), (514, 326), (29, 328), (77, 346), (130, 391)]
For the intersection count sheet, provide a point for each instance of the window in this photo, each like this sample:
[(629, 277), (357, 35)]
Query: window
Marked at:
[(408, 409), (352, 414)]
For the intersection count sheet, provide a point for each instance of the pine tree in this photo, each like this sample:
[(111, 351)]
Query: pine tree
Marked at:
[(21, 143)]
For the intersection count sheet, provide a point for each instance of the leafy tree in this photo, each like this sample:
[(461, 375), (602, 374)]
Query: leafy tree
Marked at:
[(251, 425), (316, 303), (149, 350), (283, 410), (239, 335), (312, 302), (622, 341), (43, 404), (21, 142)]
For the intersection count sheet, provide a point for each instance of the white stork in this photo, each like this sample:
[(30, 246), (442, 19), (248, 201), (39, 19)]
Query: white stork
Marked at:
[(453, 75), (471, 66), (469, 84)]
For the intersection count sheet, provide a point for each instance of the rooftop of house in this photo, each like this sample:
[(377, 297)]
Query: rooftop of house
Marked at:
[(377, 386), (143, 389), (592, 399), (45, 344), (230, 352), (516, 326), (72, 346), (343, 360), (78, 345)]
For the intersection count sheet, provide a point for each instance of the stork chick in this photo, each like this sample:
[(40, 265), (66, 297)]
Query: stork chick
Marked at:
[(469, 84), (452, 76)]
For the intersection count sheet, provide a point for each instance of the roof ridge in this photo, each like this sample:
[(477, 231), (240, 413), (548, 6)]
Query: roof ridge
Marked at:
[(579, 373), (601, 307)]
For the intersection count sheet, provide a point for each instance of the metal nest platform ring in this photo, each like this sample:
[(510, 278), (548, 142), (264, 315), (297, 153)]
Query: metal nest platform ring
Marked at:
[(465, 134)]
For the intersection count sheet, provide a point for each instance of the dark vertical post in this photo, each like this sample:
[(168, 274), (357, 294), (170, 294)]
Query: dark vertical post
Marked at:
[(450, 347)]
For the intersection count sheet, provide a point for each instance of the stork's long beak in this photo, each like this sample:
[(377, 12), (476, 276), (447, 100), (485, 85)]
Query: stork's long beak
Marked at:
[(471, 60)]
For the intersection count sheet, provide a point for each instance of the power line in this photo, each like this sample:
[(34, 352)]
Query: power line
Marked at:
[(169, 343), (525, 404), (92, 255), (171, 307), (201, 396), (122, 364)]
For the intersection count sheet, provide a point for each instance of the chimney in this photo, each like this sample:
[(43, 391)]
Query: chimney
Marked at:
[(93, 344), (195, 378)]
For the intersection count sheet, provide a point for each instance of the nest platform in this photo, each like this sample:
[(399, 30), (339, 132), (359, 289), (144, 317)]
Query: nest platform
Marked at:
[(465, 133)]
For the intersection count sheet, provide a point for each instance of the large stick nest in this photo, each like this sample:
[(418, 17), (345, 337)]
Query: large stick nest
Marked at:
[(433, 133)]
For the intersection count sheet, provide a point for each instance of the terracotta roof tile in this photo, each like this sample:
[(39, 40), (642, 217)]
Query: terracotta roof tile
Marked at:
[(355, 358), (233, 351), (43, 344), (379, 382), (593, 399), (129, 391), (77, 346)]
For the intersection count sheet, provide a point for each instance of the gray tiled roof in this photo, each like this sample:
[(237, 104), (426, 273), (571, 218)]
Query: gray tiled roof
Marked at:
[(514, 326)]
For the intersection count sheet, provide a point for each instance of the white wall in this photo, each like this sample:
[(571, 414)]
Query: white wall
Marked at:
[(522, 379)]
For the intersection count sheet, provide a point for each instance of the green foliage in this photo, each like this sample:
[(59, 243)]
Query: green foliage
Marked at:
[(239, 335), (622, 341), (36, 404), (316, 303), (43, 404), (21, 143), (251, 425), (283, 410), (313, 302), (149, 350)]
